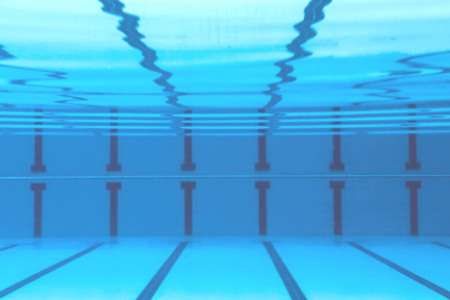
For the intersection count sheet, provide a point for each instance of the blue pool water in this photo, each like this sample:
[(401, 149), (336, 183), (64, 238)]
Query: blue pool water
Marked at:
[(224, 149)]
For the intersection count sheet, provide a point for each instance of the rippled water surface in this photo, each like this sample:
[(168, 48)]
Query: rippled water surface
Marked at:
[(224, 67)]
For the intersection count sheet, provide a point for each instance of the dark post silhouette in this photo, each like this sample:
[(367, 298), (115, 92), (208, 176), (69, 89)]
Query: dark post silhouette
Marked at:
[(114, 165), (188, 165), (37, 188), (412, 163), (38, 166), (188, 187), (413, 187), (113, 188), (337, 187), (262, 164), (262, 187), (337, 164)]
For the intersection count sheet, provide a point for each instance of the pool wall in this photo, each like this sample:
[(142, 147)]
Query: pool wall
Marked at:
[(225, 187)]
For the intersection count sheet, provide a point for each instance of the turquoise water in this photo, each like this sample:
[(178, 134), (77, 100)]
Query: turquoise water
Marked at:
[(224, 60), (241, 55), (224, 149)]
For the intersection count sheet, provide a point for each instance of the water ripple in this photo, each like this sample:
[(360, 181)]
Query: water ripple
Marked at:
[(409, 62), (128, 26), (25, 82), (313, 14)]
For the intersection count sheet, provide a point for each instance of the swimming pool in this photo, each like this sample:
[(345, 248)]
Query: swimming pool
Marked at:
[(161, 135)]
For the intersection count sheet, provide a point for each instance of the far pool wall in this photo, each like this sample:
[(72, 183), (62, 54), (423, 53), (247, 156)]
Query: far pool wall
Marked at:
[(327, 200)]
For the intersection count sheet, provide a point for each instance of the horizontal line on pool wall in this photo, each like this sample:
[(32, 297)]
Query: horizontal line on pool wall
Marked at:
[(226, 176)]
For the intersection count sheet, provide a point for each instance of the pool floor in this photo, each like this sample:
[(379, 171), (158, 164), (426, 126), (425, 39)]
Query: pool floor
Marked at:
[(258, 267)]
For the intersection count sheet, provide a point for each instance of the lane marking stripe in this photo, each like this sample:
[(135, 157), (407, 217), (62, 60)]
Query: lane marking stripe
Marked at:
[(289, 282), (151, 288), (44, 272), (416, 278)]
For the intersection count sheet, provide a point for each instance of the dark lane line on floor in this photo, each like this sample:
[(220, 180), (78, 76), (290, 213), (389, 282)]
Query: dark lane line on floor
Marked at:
[(441, 245), (159, 277), (8, 247), (289, 282), (418, 279), (44, 272)]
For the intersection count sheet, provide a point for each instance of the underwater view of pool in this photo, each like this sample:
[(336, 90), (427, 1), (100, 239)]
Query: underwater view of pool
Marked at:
[(225, 149)]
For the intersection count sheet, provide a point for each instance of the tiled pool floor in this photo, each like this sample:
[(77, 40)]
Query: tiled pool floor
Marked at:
[(226, 268)]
